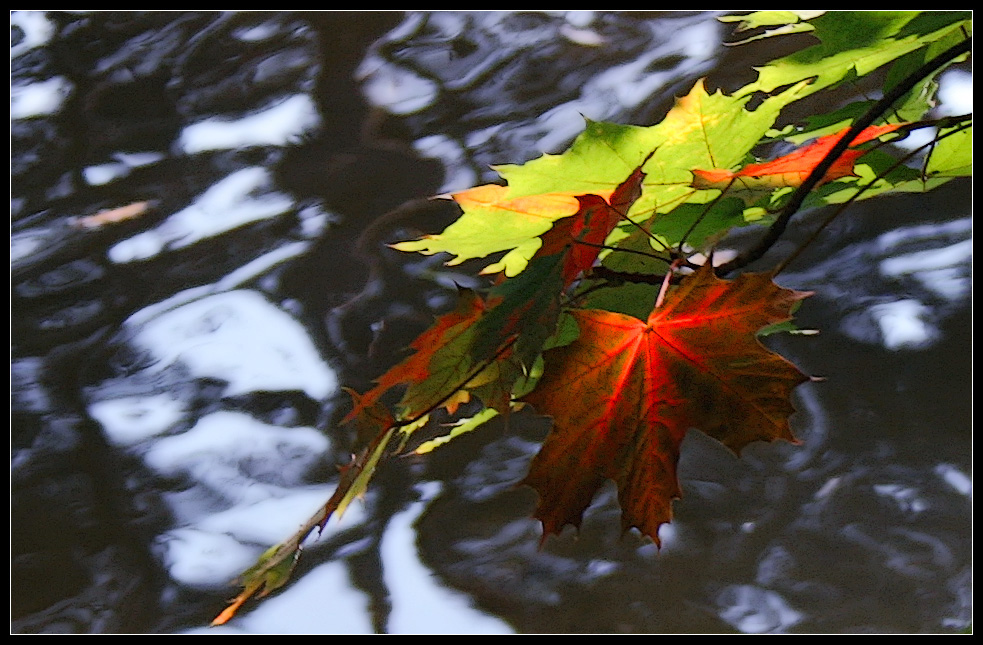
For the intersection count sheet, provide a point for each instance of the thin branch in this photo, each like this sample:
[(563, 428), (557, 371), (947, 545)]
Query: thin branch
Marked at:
[(798, 197), (860, 191)]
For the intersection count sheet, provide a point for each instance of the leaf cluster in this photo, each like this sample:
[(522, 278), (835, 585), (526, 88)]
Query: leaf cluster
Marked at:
[(606, 313)]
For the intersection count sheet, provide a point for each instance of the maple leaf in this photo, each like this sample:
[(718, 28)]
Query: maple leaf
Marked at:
[(701, 129), (624, 394), (471, 348), (581, 237), (792, 169), (499, 221)]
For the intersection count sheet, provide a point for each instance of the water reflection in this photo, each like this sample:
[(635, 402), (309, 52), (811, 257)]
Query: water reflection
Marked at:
[(895, 289), (192, 363), (486, 88)]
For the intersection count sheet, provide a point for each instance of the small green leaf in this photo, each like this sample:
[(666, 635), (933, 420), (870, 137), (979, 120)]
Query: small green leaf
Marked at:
[(953, 155)]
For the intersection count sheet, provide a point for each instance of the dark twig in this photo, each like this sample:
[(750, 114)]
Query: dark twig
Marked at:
[(798, 197), (860, 191)]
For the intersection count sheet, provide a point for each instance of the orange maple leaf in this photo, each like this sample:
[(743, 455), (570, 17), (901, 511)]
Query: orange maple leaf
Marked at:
[(624, 394), (792, 169), (547, 206)]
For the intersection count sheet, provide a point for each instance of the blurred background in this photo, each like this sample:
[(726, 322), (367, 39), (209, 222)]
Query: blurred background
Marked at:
[(200, 207)]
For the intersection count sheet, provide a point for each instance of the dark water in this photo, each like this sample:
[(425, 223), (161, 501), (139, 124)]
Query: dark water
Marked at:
[(175, 374)]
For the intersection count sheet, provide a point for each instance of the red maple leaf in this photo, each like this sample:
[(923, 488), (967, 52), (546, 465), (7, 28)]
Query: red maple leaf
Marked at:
[(793, 169), (580, 237), (624, 394)]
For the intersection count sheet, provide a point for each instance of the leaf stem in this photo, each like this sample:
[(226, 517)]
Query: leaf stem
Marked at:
[(665, 283), (706, 210), (651, 256)]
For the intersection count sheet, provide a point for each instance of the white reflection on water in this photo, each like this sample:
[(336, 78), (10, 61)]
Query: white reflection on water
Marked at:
[(242, 339), (35, 27), (420, 603), (244, 196), (278, 125), (312, 605), (754, 610), (904, 324), (38, 99), (924, 274), (955, 93), (674, 51), (246, 482)]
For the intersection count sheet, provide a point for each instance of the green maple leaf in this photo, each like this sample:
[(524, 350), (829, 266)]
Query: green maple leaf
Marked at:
[(702, 130)]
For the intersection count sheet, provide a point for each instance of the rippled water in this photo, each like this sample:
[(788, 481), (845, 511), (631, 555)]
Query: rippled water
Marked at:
[(176, 366)]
